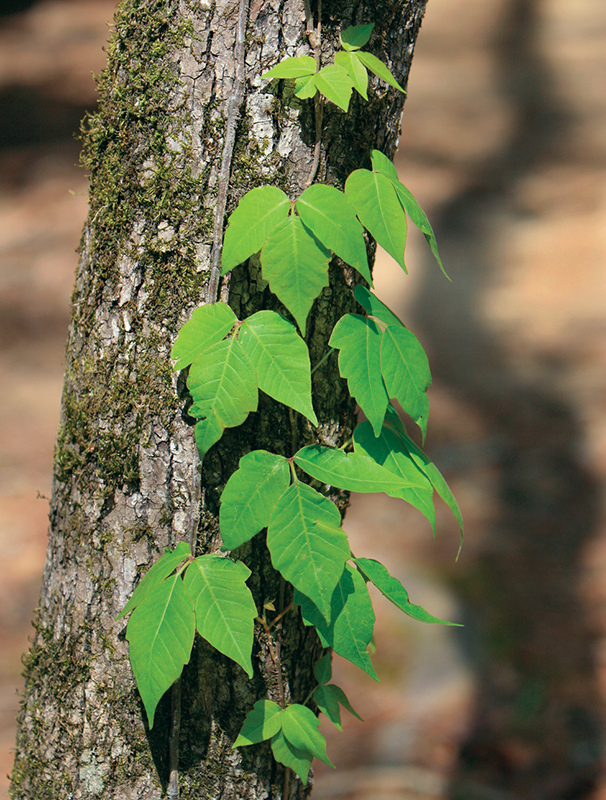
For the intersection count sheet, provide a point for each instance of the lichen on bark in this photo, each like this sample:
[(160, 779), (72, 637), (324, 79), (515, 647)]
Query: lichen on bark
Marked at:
[(125, 458)]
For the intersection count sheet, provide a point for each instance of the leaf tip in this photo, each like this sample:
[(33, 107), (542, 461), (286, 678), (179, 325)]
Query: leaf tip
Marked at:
[(150, 713)]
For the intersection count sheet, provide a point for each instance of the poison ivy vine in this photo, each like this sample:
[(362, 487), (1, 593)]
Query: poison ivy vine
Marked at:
[(230, 361)]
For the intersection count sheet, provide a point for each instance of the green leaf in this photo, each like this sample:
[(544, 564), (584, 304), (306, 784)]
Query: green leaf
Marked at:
[(289, 755), (379, 69), (328, 698), (375, 307), (355, 36), (376, 203), (306, 87), (352, 620), (389, 451), (326, 212), (281, 360), (262, 722), (254, 218), (382, 165), (328, 705), (353, 472), (392, 589), (207, 432), (225, 609), (292, 68), (323, 669), (417, 215), (342, 698), (167, 562), (296, 265), (413, 209), (307, 544), (406, 373), (207, 326), (393, 422), (300, 727), (249, 496), (160, 634), (223, 386), (335, 84), (356, 70), (359, 342)]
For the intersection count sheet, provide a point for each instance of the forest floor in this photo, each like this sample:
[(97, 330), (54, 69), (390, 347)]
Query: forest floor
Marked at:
[(505, 148)]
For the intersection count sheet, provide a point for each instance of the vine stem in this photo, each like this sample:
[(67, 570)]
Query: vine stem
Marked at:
[(233, 115), (287, 781), (172, 790), (314, 36), (319, 112), (275, 657)]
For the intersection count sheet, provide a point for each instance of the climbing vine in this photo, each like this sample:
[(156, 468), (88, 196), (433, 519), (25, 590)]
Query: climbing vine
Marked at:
[(229, 361)]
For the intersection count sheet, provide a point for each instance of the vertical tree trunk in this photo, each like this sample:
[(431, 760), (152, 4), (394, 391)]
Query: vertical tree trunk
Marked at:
[(126, 471)]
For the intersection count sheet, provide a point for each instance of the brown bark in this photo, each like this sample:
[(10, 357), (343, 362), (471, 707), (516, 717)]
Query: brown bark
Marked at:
[(126, 467)]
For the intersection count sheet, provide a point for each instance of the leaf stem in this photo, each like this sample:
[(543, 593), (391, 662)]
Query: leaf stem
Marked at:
[(323, 359), (290, 606), (309, 696), (293, 431), (183, 567), (292, 470)]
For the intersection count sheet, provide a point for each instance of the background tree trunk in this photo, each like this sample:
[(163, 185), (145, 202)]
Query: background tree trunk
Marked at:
[(125, 465)]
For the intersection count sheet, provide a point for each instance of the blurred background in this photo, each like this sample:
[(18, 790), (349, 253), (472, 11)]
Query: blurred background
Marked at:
[(504, 144)]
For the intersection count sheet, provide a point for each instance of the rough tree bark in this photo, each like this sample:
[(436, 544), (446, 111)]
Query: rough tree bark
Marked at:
[(126, 472)]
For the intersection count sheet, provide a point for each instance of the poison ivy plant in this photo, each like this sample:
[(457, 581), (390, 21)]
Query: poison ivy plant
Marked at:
[(383, 166), (295, 263), (280, 359), (250, 496), (352, 620), (208, 594), (307, 544), (329, 698), (228, 362), (374, 198), (336, 81)]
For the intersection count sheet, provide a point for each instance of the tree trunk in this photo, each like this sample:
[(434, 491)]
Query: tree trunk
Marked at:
[(126, 469)]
